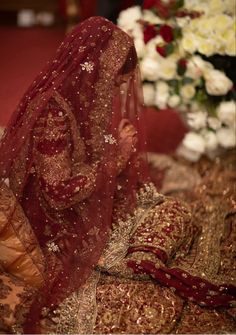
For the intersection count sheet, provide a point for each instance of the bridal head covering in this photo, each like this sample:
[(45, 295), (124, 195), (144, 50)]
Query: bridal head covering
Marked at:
[(96, 77)]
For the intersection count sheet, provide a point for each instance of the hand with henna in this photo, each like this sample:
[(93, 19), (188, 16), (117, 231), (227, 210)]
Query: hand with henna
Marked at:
[(127, 142)]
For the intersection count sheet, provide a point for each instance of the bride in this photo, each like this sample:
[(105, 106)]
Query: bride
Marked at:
[(98, 248)]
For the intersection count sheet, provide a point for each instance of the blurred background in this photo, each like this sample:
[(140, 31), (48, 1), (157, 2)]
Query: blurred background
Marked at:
[(30, 32)]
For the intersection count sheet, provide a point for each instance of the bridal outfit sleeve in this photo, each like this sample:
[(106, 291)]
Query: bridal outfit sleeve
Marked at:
[(64, 179), (160, 234)]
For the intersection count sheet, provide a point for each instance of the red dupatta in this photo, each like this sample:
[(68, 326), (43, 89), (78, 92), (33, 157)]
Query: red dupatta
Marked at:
[(87, 72)]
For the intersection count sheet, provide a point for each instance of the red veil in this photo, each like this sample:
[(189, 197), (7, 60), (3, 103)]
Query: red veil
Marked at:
[(87, 72)]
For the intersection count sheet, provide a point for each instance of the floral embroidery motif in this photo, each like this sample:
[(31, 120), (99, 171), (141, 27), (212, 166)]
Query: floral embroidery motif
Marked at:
[(82, 48), (53, 247), (87, 66), (104, 28), (110, 139)]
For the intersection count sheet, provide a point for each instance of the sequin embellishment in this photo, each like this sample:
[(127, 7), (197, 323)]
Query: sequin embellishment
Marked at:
[(110, 139), (87, 66), (53, 247)]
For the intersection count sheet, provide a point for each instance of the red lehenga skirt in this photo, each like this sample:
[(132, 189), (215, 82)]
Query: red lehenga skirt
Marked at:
[(127, 293)]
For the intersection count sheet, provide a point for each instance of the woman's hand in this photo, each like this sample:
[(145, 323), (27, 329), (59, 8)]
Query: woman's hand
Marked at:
[(127, 138)]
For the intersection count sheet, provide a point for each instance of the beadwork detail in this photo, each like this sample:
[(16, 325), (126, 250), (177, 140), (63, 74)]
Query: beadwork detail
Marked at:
[(110, 139), (53, 247), (87, 66)]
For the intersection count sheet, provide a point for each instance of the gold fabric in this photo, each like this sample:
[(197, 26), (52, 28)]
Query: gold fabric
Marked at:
[(20, 254), (118, 301), (16, 298)]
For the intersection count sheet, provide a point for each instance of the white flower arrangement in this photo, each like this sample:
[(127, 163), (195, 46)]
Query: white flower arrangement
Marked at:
[(173, 40)]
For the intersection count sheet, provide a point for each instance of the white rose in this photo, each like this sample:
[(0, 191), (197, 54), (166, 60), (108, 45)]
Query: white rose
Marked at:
[(205, 26), (197, 120), (162, 94), (194, 141), (137, 31), (128, 17), (140, 47), (222, 22), (226, 112), (210, 139), (207, 46), (193, 71), (198, 5), (167, 69), (195, 106), (151, 48), (187, 91), (192, 147), (230, 48), (188, 42), (217, 6), (201, 64), (213, 122), (152, 18), (174, 101), (150, 69), (183, 108), (183, 21), (229, 41), (162, 87), (217, 83), (226, 137), (149, 94)]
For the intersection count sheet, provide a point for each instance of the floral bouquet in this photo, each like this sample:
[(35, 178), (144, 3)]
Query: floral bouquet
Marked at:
[(184, 50)]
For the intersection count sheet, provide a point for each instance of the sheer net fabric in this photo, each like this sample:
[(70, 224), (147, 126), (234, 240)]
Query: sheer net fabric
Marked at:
[(60, 152)]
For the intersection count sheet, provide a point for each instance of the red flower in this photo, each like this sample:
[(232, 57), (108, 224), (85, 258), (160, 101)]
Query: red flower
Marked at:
[(183, 62), (157, 5), (192, 14), (149, 32), (149, 4), (182, 66), (166, 33), (162, 10), (161, 50)]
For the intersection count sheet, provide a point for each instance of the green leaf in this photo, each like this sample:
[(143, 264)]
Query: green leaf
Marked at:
[(174, 84), (201, 96), (154, 10), (181, 70), (169, 49), (201, 82), (178, 4), (177, 32), (187, 80)]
